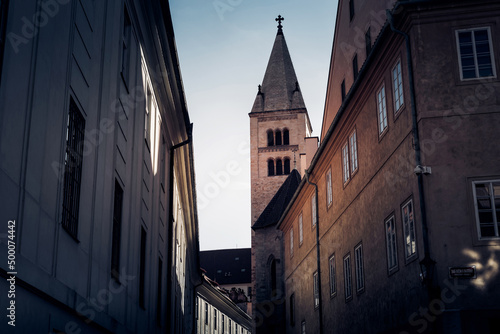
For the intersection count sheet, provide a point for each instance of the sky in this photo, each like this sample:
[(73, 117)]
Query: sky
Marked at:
[(223, 48)]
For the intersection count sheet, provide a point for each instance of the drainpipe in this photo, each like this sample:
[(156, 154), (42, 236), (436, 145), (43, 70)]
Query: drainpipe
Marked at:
[(320, 308), (427, 261), (171, 223)]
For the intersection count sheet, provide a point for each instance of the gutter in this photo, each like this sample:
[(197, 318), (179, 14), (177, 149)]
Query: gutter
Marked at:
[(318, 264)]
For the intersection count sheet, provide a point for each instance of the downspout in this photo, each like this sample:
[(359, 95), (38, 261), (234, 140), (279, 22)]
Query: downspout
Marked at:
[(320, 307), (427, 261), (171, 224)]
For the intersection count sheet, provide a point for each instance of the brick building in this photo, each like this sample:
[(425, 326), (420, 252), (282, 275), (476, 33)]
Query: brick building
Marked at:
[(398, 215)]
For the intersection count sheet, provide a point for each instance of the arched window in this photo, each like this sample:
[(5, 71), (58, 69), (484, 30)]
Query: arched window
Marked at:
[(287, 166), (277, 135), (279, 167), (273, 275), (270, 167), (286, 137), (270, 138)]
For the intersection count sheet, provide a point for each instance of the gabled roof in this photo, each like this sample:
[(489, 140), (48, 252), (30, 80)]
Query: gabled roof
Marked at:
[(228, 266), (280, 89), (273, 211)]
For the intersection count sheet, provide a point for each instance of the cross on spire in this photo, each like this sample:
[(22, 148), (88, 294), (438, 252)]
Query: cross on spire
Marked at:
[(279, 19)]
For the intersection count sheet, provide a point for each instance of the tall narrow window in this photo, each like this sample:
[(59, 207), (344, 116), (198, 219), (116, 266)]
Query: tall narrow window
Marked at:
[(73, 169), (368, 42), (345, 163), (117, 227), (475, 53), (351, 9), (397, 85), (163, 163), (360, 276), (390, 239), (222, 324), (487, 208), (277, 137), (316, 289), (286, 167), (333, 283), (159, 296), (381, 110), (342, 90), (303, 327), (215, 319), (347, 277), (286, 137), (353, 150), (274, 278), (314, 216), (206, 313), (270, 167), (279, 167), (142, 268), (197, 308), (292, 309), (230, 326), (291, 242), (409, 229), (329, 190), (3, 24), (355, 69), (270, 138), (301, 230), (147, 116), (126, 45)]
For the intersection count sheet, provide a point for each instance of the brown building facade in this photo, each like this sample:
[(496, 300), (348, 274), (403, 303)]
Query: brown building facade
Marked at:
[(407, 175)]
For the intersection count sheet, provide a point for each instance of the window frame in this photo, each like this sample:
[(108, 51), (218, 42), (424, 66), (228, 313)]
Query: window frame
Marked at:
[(353, 154), (351, 10), (493, 208), (382, 121), (116, 230), (412, 255), (332, 277), (291, 242), (301, 229), (399, 90), (126, 46), (314, 213), (476, 67), (391, 244), (303, 327), (355, 67), (292, 309), (346, 174), (347, 277), (329, 188), (316, 290), (342, 90), (359, 268)]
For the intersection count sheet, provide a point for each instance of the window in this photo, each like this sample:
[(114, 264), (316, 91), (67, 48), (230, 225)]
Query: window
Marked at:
[(147, 115), (222, 324), (345, 163), (286, 168), (274, 279), (360, 277), (279, 167), (215, 319), (230, 326), (409, 229), (347, 277), (316, 289), (351, 9), (197, 311), (206, 313), (270, 138), (381, 110), (397, 85), (73, 169), (3, 25), (487, 208), (270, 167), (126, 46), (292, 309), (475, 53), (355, 69), (313, 210), (353, 149), (368, 42), (159, 296), (390, 238), (301, 230), (286, 137), (342, 90), (303, 327), (329, 191), (291, 242), (117, 226), (142, 268), (163, 163), (278, 137), (333, 284)]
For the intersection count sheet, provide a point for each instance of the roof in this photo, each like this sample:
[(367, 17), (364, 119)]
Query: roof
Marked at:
[(227, 266), (273, 211), (280, 89)]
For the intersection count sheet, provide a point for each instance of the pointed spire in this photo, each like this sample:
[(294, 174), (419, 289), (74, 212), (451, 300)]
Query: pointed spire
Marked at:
[(280, 88)]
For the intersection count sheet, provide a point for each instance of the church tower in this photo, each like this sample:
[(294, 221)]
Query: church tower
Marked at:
[(279, 126)]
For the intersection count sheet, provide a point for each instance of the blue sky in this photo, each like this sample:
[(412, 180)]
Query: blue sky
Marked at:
[(223, 48)]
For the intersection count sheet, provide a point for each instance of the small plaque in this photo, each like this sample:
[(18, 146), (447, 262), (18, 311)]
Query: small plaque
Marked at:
[(462, 272)]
